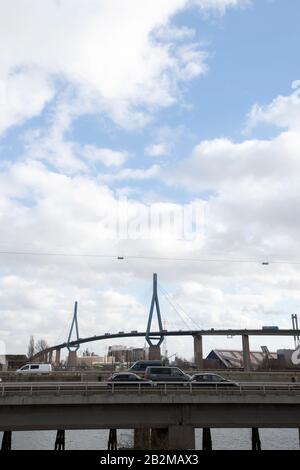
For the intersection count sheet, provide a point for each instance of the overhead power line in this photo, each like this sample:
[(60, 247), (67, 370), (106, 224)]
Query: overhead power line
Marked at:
[(145, 258)]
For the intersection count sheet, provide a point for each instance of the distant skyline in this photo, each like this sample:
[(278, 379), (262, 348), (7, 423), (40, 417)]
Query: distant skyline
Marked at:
[(152, 132)]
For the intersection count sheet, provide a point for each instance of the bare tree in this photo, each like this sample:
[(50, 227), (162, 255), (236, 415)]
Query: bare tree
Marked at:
[(41, 345), (31, 347)]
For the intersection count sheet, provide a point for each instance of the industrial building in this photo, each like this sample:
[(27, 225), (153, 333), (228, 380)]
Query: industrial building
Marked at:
[(228, 359), (12, 361), (128, 355)]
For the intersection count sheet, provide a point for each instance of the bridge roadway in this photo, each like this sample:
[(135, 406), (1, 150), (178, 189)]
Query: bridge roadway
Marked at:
[(173, 409), (47, 354), (211, 332)]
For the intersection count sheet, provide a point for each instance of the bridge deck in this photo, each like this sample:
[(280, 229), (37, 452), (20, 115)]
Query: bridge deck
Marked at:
[(210, 332), (92, 406)]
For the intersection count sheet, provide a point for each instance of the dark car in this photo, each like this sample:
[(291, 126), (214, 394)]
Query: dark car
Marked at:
[(166, 374), (127, 379), (141, 366), (212, 380)]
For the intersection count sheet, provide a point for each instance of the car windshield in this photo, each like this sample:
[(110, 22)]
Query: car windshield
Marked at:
[(177, 372)]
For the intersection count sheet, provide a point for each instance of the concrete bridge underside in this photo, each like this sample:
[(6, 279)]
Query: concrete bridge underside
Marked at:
[(172, 417)]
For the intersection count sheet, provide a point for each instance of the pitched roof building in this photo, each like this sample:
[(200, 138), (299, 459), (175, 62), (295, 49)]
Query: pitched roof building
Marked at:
[(229, 359)]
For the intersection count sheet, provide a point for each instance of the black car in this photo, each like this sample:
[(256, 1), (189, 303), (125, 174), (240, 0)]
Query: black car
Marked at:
[(127, 379), (141, 366), (211, 380), (166, 374)]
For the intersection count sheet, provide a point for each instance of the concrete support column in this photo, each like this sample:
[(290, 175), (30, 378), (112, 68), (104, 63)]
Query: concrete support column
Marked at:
[(159, 439), (60, 442), (72, 359), (173, 438), (206, 439), (256, 444), (154, 353), (50, 357), (142, 438), (198, 351), (246, 353), (112, 440), (6, 440), (181, 438), (57, 357)]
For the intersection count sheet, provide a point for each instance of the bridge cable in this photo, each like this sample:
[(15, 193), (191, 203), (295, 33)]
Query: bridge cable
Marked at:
[(173, 301), (166, 295)]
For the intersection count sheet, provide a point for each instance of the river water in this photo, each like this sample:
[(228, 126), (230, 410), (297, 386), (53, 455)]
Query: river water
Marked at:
[(223, 439)]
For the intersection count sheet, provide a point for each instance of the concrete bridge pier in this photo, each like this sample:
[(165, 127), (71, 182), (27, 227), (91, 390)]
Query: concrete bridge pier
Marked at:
[(72, 359), (142, 439), (198, 351), (154, 353), (206, 439), (60, 441), (41, 357), (246, 353), (50, 357), (173, 438), (256, 444), (57, 357), (112, 440), (6, 440)]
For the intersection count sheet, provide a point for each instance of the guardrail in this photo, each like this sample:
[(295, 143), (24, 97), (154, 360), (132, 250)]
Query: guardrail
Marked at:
[(160, 388)]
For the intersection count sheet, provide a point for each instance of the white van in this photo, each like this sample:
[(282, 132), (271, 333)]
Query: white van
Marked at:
[(35, 369)]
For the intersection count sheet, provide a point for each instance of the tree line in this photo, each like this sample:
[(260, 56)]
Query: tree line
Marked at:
[(36, 347)]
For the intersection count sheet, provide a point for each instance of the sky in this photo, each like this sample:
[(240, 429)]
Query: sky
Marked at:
[(165, 133)]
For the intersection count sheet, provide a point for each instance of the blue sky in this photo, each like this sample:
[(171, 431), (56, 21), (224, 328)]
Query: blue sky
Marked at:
[(180, 105)]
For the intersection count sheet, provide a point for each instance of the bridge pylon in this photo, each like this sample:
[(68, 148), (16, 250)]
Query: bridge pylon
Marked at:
[(72, 357), (156, 340)]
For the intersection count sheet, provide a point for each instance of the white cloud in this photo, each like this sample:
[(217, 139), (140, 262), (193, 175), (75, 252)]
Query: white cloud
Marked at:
[(104, 155), (109, 58), (220, 163), (23, 95), (157, 150), (220, 5), (131, 174), (54, 147), (284, 111), (119, 56)]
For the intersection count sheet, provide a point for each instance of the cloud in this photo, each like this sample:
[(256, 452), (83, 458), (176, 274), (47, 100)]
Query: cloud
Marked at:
[(104, 155), (23, 95), (112, 60), (220, 5), (283, 112), (124, 66), (217, 164), (131, 174), (157, 150)]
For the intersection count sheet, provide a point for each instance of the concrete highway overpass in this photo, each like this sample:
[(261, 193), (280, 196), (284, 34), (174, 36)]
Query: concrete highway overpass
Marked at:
[(172, 414)]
